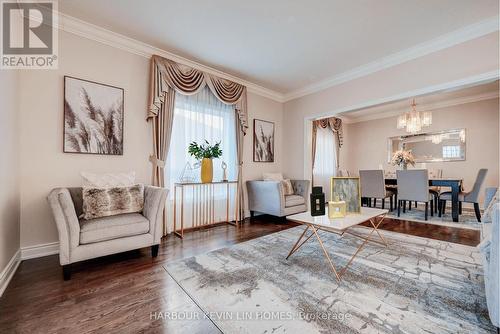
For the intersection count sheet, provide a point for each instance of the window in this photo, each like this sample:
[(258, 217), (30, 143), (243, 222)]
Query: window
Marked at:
[(198, 118), (450, 152), (325, 159)]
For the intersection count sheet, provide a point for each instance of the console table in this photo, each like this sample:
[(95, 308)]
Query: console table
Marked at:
[(202, 205)]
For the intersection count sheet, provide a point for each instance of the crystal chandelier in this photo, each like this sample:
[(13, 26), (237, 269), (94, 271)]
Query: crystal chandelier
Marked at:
[(414, 121)]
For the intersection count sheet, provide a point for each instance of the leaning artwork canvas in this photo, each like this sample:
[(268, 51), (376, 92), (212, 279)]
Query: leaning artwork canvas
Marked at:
[(93, 117), (347, 189), (263, 141)]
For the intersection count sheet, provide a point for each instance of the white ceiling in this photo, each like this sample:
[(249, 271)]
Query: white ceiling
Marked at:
[(283, 45), (425, 102)]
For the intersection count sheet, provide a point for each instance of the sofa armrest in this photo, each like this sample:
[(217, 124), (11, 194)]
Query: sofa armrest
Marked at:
[(301, 188), (154, 203), (266, 197), (67, 223)]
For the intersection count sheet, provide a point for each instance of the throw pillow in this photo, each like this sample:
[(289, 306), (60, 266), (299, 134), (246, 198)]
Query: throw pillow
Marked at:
[(107, 180), (104, 202), (272, 177), (287, 187), (489, 209)]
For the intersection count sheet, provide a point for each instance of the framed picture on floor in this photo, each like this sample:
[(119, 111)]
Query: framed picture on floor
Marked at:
[(347, 189), (263, 141), (93, 117)]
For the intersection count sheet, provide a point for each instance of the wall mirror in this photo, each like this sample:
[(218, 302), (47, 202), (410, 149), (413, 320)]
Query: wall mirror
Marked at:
[(448, 145)]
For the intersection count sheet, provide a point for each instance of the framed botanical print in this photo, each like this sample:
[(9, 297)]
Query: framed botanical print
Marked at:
[(263, 141), (93, 117), (347, 189)]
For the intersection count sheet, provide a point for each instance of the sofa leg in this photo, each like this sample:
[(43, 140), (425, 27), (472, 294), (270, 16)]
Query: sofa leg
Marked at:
[(154, 250), (252, 215), (66, 272)]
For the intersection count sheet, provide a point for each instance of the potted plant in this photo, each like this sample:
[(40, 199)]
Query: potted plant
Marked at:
[(403, 158), (205, 153)]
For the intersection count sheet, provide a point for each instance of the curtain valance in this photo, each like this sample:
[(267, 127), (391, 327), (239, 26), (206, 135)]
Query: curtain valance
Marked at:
[(168, 75), (333, 123)]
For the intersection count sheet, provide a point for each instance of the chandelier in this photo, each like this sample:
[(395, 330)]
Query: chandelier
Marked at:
[(414, 121)]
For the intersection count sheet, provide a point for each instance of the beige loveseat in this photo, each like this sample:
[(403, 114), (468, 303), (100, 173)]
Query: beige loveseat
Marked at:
[(81, 239)]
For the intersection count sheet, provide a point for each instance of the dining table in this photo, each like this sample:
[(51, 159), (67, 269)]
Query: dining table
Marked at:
[(454, 183)]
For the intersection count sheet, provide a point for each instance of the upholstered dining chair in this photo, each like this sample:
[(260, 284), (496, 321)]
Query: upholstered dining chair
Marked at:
[(435, 174), (373, 187), (413, 185), (466, 197)]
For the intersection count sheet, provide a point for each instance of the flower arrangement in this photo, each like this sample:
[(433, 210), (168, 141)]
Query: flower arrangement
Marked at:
[(207, 151), (403, 158)]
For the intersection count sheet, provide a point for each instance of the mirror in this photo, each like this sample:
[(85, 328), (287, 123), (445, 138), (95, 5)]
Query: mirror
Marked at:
[(448, 145)]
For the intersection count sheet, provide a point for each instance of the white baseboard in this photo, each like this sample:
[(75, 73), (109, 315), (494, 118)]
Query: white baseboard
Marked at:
[(9, 270), (35, 251)]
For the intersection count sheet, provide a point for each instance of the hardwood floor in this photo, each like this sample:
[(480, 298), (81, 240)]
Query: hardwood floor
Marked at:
[(125, 292)]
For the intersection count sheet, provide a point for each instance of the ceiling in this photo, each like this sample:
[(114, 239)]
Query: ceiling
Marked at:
[(283, 45), (425, 102)]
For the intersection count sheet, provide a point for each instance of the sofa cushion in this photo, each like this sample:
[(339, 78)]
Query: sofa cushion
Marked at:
[(272, 177), (108, 228), (293, 200), (107, 180)]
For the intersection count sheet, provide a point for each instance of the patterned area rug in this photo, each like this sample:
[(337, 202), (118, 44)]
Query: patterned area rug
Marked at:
[(466, 220), (416, 285)]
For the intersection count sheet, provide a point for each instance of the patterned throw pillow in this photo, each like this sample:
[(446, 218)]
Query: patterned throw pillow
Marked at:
[(104, 202), (107, 180), (287, 187), (489, 209)]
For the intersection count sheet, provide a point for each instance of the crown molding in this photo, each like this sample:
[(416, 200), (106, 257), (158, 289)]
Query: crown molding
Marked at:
[(453, 38), (96, 33), (466, 82), (93, 32), (424, 107)]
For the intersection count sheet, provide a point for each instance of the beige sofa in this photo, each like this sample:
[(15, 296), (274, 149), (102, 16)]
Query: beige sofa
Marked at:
[(268, 197), (86, 239)]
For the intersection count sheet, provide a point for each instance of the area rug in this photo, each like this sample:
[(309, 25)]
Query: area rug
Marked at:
[(416, 285), (466, 220)]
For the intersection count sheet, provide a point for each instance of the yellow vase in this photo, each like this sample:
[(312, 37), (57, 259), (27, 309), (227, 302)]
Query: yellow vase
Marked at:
[(207, 170)]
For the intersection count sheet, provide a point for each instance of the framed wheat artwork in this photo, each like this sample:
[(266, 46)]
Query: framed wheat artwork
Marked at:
[(263, 141), (93, 117), (347, 189)]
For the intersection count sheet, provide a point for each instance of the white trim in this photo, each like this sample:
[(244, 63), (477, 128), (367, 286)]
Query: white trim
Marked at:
[(90, 31), (9, 271), (31, 252), (93, 32), (424, 107), (442, 42), (451, 85)]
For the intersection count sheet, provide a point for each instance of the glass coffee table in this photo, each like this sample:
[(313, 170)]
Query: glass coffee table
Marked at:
[(339, 226)]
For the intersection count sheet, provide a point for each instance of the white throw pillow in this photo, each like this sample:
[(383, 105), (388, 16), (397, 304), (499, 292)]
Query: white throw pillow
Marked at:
[(107, 180), (272, 177)]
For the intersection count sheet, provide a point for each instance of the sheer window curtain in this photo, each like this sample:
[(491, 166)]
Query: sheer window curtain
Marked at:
[(325, 164), (198, 118)]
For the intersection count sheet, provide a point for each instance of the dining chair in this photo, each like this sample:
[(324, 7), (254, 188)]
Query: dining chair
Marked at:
[(435, 191), (373, 187), (466, 197), (413, 185)]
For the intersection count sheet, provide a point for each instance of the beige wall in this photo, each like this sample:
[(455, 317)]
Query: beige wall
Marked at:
[(368, 141), (458, 62), (9, 166), (44, 166)]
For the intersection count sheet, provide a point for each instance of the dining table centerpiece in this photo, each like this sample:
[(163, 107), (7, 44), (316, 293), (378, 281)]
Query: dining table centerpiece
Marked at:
[(205, 153), (403, 158)]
